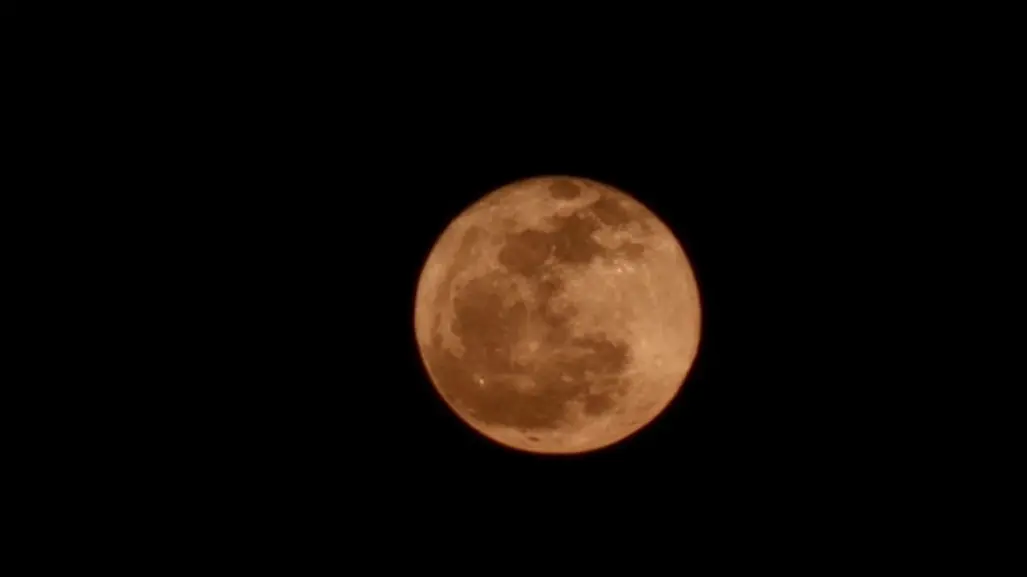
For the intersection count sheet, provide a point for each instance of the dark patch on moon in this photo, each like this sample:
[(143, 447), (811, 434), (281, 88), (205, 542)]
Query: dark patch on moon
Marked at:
[(564, 189), (616, 209), (571, 242), (611, 211), (525, 252), (570, 368), (480, 313), (599, 404)]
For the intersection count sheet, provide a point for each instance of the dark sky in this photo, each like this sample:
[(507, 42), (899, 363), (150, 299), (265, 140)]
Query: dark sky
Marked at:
[(292, 190), (320, 234)]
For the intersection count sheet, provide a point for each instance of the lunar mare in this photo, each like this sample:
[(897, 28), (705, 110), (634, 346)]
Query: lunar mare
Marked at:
[(557, 315)]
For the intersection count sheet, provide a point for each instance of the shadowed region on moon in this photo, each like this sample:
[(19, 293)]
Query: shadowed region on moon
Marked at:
[(518, 354), (564, 189), (572, 368)]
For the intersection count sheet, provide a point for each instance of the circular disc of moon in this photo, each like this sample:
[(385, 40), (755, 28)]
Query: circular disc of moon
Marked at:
[(557, 315)]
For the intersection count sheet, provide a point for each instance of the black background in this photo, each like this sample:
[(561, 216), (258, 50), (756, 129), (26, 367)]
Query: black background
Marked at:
[(276, 183), (312, 242)]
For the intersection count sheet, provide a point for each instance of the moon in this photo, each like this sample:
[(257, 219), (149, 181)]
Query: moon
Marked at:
[(557, 315)]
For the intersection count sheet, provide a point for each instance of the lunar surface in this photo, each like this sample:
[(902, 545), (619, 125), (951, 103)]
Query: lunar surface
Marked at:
[(557, 315)]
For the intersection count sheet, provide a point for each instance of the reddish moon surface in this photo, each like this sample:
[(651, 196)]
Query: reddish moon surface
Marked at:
[(557, 315)]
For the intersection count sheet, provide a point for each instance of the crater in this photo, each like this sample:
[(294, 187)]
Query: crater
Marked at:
[(564, 189), (611, 211)]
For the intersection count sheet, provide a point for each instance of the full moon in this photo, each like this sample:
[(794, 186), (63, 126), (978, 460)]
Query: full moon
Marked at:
[(557, 315)]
